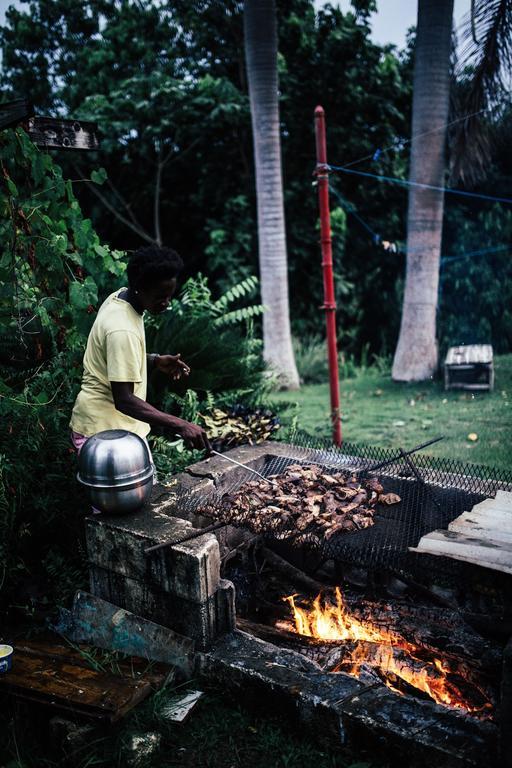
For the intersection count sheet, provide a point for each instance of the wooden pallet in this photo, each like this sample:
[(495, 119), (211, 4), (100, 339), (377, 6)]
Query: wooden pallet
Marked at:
[(482, 536), (61, 677)]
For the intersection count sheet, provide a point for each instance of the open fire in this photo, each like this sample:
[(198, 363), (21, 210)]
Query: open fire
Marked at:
[(398, 663)]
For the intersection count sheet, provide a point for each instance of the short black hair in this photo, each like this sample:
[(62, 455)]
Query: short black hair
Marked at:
[(151, 264)]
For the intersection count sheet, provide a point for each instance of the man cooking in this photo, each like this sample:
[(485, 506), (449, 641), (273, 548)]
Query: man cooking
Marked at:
[(114, 382)]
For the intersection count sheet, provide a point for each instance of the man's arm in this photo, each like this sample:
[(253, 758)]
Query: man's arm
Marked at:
[(131, 405)]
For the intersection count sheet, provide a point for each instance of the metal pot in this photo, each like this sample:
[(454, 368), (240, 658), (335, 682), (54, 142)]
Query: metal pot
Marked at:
[(115, 467)]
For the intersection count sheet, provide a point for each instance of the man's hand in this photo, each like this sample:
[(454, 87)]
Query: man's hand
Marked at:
[(172, 365), (193, 435)]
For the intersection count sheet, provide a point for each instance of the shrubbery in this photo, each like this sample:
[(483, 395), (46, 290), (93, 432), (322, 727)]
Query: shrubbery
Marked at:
[(54, 272)]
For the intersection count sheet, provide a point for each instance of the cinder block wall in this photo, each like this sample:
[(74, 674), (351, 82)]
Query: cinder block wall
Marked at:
[(178, 587)]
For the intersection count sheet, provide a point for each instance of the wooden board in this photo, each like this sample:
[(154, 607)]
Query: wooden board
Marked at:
[(469, 354), (489, 554), (467, 525), (482, 536), (54, 133), (61, 677), (14, 112)]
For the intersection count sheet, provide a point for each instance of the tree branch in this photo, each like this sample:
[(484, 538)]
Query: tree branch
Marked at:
[(124, 203), (167, 159), (137, 229), (134, 225), (156, 203)]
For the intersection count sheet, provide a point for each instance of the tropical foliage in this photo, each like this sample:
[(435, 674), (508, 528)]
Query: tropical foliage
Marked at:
[(54, 271), (47, 302)]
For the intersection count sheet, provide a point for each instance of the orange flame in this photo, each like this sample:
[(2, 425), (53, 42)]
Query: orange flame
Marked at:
[(385, 650)]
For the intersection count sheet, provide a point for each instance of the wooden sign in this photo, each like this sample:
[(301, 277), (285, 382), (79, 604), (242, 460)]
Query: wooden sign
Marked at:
[(54, 133), (14, 112)]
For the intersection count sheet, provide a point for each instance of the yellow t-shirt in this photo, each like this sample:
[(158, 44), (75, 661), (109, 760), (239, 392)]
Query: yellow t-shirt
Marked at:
[(116, 351)]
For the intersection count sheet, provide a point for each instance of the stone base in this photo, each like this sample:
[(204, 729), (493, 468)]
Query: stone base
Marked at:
[(203, 622), (344, 712)]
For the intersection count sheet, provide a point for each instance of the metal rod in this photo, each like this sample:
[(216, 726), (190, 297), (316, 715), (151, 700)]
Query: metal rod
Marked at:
[(418, 476), (402, 454), (189, 537), (244, 466), (329, 305)]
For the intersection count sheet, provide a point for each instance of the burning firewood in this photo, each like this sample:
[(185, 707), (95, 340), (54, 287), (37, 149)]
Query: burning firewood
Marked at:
[(305, 499)]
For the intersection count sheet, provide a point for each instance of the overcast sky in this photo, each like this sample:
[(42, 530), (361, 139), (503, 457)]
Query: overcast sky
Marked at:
[(390, 23)]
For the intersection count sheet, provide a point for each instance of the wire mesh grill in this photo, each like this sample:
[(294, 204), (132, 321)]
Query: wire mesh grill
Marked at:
[(433, 492)]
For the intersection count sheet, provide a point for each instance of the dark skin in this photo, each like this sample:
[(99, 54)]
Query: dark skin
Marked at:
[(156, 299)]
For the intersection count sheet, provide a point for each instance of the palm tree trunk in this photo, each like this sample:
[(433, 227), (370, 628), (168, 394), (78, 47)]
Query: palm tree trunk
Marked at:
[(416, 352), (260, 29)]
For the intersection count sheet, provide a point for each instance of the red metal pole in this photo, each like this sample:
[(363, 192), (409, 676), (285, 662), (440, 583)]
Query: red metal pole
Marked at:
[(322, 174)]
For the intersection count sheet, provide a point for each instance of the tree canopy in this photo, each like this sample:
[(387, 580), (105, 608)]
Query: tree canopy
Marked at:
[(167, 84)]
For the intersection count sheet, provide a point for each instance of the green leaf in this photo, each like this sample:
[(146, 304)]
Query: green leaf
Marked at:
[(5, 260), (101, 250), (41, 163), (60, 242), (99, 177), (81, 295), (11, 186)]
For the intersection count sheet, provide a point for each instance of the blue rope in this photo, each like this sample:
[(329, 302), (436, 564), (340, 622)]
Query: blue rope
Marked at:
[(404, 183), (350, 208), (474, 254)]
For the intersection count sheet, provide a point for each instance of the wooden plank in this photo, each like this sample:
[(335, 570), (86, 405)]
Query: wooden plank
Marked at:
[(473, 530), (60, 677), (491, 521), (493, 507), (497, 556), (14, 112), (469, 354), (52, 133), (504, 497)]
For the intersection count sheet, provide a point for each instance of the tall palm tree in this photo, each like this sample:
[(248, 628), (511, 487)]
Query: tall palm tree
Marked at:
[(484, 71), (416, 352), (487, 55), (260, 30)]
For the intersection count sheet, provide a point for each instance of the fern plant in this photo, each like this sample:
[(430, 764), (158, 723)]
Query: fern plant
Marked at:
[(217, 339)]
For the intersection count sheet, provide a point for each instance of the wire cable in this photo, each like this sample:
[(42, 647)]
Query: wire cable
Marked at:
[(417, 184), (377, 239), (402, 143)]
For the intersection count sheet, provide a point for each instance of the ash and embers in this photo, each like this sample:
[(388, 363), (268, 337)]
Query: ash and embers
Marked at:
[(399, 663)]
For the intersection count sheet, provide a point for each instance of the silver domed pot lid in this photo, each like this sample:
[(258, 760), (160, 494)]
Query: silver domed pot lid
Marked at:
[(114, 458)]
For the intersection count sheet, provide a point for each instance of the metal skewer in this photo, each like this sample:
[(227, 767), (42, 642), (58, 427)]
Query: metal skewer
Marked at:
[(244, 466)]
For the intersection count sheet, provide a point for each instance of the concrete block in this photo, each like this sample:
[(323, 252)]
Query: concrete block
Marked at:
[(190, 570), (203, 622), (105, 625), (339, 710)]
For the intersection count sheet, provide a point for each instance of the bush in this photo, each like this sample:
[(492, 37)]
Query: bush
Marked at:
[(53, 269), (217, 340), (313, 367), (311, 359)]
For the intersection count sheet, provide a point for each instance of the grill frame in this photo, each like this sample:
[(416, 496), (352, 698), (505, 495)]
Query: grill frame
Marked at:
[(434, 491)]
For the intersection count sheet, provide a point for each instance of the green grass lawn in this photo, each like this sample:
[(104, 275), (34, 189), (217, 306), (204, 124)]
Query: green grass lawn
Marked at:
[(377, 411)]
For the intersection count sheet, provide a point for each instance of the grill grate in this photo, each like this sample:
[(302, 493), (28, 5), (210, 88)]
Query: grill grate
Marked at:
[(433, 490)]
